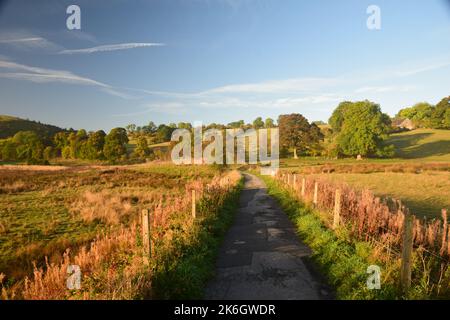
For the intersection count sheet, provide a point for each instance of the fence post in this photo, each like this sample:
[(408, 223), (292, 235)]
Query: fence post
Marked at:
[(444, 232), (337, 209), (303, 187), (146, 236), (316, 187), (194, 205), (405, 276), (294, 184)]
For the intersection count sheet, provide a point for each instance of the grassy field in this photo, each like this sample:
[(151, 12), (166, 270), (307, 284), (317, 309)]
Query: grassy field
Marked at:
[(44, 212), (419, 175), (425, 194), (423, 144)]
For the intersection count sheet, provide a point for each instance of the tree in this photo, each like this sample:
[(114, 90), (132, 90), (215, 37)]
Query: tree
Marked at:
[(363, 129), (258, 123), (150, 128), (142, 150), (49, 153), (95, 144), (60, 140), (131, 128), (164, 133), (297, 133), (8, 151), (236, 124), (115, 145), (440, 117), (419, 114), (28, 146), (337, 118), (184, 125), (269, 123)]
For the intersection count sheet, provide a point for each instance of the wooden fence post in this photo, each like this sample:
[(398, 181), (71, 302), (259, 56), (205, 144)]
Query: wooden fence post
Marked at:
[(194, 205), (316, 187), (444, 232), (294, 184), (407, 248), (303, 187), (146, 236), (337, 209)]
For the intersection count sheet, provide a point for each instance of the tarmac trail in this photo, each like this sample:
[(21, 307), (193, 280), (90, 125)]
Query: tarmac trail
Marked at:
[(261, 256)]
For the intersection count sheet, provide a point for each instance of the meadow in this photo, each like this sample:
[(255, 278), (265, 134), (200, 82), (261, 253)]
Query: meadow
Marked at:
[(419, 175), (52, 215)]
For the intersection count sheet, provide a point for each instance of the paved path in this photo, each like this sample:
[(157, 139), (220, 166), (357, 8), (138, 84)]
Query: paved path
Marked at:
[(261, 257)]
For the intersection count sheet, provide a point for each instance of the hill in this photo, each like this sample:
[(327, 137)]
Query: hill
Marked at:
[(9, 126), (427, 144)]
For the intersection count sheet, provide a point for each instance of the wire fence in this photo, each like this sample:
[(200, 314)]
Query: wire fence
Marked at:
[(369, 218)]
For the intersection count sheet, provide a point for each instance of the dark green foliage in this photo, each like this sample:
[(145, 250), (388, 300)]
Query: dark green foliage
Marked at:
[(361, 129), (9, 126), (163, 133), (142, 150), (95, 145), (297, 133), (269, 123), (424, 115), (440, 118), (258, 123), (115, 145)]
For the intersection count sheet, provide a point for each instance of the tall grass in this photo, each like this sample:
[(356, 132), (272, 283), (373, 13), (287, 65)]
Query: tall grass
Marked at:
[(380, 222), (112, 265)]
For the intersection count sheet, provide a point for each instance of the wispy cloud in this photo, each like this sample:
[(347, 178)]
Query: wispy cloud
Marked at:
[(277, 86), (26, 41), (23, 72), (112, 47), (383, 89), (423, 68)]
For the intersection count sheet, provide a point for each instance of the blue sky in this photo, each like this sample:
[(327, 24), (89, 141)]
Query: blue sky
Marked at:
[(217, 60)]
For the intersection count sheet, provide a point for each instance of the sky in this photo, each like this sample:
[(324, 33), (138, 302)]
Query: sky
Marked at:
[(171, 61)]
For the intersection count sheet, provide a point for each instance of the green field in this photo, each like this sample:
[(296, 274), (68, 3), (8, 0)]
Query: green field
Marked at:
[(419, 175), (422, 144), (45, 212)]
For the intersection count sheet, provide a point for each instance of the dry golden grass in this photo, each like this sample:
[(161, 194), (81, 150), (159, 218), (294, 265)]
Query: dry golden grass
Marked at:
[(425, 194), (112, 264)]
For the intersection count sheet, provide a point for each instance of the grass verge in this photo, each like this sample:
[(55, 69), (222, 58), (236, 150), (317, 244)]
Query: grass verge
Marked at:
[(183, 272)]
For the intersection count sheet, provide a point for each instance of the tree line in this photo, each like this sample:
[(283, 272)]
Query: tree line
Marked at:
[(28, 146), (426, 115), (354, 128)]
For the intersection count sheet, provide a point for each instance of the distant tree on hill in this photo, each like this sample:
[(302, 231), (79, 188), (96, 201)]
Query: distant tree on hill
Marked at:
[(28, 147), (361, 129), (142, 149), (258, 123), (115, 145), (95, 145), (8, 150), (150, 128), (131, 128), (163, 133), (236, 124), (296, 132), (269, 123), (440, 118), (184, 125), (60, 141), (420, 114)]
